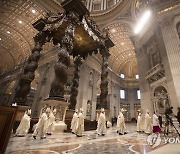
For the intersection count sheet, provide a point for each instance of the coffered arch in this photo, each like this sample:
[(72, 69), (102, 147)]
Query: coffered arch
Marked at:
[(123, 51), (16, 31)]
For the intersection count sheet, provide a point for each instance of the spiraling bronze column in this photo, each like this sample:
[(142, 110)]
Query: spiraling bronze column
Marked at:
[(104, 80), (75, 85), (57, 86), (28, 73)]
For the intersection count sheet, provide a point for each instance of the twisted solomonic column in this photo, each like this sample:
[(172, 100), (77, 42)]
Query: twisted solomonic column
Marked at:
[(104, 80), (28, 73), (57, 86), (75, 85)]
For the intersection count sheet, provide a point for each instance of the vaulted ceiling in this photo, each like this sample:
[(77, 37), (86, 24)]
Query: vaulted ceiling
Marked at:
[(123, 53), (17, 32)]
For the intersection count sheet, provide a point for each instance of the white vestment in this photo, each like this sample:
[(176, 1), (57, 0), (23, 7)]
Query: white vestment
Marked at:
[(24, 126), (50, 123), (155, 120), (80, 125), (74, 122), (41, 127), (120, 123), (101, 126), (147, 124), (139, 123)]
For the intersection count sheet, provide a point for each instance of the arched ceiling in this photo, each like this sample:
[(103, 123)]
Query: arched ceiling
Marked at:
[(17, 32), (123, 52)]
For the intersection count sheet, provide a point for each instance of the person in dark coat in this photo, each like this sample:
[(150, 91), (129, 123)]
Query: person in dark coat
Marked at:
[(178, 116), (160, 120)]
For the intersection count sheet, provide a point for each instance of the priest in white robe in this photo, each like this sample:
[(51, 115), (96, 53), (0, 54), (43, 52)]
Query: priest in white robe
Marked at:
[(74, 121), (148, 126), (121, 123), (50, 122), (80, 124), (101, 126), (139, 123), (24, 125), (41, 127)]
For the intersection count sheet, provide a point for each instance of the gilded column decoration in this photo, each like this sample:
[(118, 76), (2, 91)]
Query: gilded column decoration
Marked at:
[(104, 81), (57, 86), (29, 70), (75, 85)]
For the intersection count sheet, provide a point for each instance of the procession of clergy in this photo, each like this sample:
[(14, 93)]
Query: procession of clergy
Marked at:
[(47, 119)]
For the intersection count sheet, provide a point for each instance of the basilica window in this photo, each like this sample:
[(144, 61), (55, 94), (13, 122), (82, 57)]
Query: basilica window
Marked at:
[(138, 94), (122, 76), (122, 94), (137, 76)]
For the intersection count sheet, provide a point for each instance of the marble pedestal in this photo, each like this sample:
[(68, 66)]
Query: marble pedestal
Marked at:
[(61, 107)]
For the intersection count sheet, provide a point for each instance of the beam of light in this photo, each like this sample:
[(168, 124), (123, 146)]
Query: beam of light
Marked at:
[(142, 22)]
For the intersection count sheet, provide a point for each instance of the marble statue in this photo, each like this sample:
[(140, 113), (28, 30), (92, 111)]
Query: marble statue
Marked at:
[(24, 125), (101, 126), (74, 121), (121, 123)]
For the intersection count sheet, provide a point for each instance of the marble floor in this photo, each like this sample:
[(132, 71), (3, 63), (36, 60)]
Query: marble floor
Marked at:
[(91, 143)]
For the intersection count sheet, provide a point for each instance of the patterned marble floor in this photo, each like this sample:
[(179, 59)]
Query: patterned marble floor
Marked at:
[(90, 143)]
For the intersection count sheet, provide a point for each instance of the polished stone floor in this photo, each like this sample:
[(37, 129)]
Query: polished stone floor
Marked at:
[(90, 143)]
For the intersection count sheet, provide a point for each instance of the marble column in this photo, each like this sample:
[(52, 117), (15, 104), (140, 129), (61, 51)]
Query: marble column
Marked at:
[(114, 2), (84, 89), (42, 88), (91, 5), (105, 4), (171, 42), (87, 4), (131, 99), (143, 67), (102, 3), (94, 95)]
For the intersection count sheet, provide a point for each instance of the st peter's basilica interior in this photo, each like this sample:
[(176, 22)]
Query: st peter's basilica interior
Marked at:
[(89, 76)]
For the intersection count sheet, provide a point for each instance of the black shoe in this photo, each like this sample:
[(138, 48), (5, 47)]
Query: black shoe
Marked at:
[(103, 134), (120, 134), (43, 137), (20, 135), (78, 135), (34, 137), (125, 132), (72, 132), (48, 133), (117, 131)]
